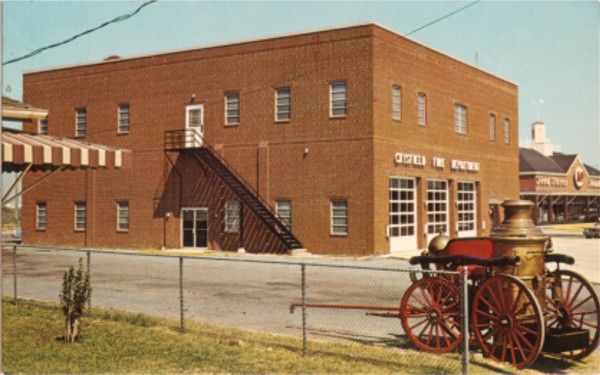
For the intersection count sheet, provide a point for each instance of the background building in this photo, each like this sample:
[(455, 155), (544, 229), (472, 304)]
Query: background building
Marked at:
[(360, 141)]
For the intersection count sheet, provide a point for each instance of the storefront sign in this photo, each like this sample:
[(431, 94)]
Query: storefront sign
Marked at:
[(462, 165), (578, 176), (551, 181), (410, 159), (594, 184), (438, 162)]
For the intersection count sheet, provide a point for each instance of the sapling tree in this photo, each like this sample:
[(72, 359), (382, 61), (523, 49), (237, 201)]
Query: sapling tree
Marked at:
[(75, 293)]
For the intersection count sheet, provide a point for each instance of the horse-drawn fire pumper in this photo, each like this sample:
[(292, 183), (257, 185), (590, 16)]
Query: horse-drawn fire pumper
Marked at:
[(518, 306)]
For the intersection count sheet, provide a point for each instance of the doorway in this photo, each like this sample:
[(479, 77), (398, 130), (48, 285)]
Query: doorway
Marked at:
[(194, 125), (194, 227)]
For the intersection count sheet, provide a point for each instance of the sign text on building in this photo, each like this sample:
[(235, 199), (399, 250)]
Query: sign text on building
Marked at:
[(410, 159), (463, 165), (551, 181)]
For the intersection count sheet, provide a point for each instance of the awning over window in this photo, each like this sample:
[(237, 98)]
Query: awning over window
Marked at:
[(48, 152)]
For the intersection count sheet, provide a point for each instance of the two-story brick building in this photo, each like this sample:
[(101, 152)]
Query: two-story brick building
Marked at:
[(359, 140)]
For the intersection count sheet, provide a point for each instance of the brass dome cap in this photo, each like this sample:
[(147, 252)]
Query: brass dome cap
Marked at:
[(438, 243)]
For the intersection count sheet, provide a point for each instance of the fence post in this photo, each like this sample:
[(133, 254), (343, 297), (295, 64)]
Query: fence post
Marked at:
[(465, 313), (303, 284), (14, 256), (88, 266), (181, 316)]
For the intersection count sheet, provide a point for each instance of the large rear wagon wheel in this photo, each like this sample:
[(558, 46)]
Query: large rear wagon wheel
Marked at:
[(575, 305), (507, 321), (430, 314)]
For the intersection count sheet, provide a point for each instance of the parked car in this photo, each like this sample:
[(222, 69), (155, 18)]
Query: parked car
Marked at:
[(592, 232)]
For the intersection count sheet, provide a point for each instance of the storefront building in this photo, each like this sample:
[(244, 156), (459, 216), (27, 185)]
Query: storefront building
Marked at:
[(356, 140)]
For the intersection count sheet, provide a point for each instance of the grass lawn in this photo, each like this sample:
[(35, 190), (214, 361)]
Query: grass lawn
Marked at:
[(114, 341)]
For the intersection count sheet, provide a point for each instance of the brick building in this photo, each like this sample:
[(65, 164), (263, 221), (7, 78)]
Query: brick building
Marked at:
[(358, 140)]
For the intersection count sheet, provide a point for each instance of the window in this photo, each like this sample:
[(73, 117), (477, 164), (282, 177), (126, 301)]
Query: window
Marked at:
[(80, 214), (337, 100), (396, 102), (41, 216), (122, 216), (506, 131), (232, 217), (422, 108), (460, 119), (123, 110), (80, 122), (283, 209), (492, 126), (232, 108), (339, 216), (43, 127), (283, 104)]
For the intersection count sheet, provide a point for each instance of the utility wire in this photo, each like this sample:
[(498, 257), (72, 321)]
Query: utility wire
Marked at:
[(114, 20), (442, 18)]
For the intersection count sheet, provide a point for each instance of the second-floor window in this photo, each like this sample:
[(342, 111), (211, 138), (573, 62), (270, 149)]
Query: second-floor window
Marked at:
[(337, 99), (492, 127), (283, 209), (232, 108), (80, 122), (460, 119), (43, 126), (123, 110), (79, 216), (422, 108), (396, 102), (506, 131), (283, 104)]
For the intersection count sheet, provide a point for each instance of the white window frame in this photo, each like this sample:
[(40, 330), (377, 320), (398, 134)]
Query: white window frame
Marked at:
[(396, 102), (121, 204), (461, 119), (344, 100), (442, 210), (492, 127), (79, 226), (230, 120), (506, 130), (39, 224), (285, 216), (80, 125), (120, 128), (278, 96), (422, 109), (338, 229), (232, 217), (43, 130)]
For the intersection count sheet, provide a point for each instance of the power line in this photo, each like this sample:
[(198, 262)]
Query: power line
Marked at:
[(442, 18), (54, 45)]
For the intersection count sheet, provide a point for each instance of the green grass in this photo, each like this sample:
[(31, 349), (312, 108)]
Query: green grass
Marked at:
[(114, 341)]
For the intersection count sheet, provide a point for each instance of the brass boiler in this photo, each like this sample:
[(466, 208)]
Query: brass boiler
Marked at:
[(518, 235)]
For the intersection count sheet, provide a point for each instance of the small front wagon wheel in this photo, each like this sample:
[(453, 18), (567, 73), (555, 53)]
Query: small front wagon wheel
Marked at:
[(507, 321)]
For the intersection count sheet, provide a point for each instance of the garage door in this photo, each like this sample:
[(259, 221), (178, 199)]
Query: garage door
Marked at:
[(466, 209)]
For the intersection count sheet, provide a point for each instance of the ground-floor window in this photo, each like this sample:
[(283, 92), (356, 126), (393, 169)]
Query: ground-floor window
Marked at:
[(232, 217), (437, 207), (283, 209), (339, 216), (466, 206), (122, 216), (41, 216), (79, 216)]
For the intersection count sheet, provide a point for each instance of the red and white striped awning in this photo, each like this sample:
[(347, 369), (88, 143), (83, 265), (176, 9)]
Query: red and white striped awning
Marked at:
[(44, 151)]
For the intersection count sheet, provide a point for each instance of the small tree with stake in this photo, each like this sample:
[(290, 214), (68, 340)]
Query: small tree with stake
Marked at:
[(75, 292)]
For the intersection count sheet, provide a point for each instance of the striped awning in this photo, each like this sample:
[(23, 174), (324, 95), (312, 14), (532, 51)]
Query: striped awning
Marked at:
[(47, 152)]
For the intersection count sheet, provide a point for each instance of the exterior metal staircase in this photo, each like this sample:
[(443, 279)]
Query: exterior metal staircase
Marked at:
[(189, 142)]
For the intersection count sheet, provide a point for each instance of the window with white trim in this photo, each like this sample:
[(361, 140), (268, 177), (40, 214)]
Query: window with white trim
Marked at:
[(43, 126), (283, 209), (422, 108), (232, 108), (283, 104), (79, 216), (506, 131), (460, 118), (41, 216), (337, 99), (339, 216), (396, 102), (437, 206), (122, 216), (80, 122), (492, 127), (232, 217), (123, 114)]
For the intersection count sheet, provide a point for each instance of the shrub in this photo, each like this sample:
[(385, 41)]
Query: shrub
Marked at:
[(75, 293)]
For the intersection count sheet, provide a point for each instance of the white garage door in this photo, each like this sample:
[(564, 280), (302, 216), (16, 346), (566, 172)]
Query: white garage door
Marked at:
[(402, 228), (466, 209)]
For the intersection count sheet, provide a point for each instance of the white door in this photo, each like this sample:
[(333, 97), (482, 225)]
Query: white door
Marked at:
[(194, 125), (402, 228), (466, 209), (194, 227), (437, 208)]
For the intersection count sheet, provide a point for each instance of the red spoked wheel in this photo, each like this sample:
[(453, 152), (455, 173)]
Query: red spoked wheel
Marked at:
[(573, 304), (430, 314), (508, 324)]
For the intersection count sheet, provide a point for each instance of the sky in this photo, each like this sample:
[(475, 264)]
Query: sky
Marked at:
[(549, 49)]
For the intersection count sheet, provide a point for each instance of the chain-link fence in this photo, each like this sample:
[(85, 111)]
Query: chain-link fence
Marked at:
[(343, 301)]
